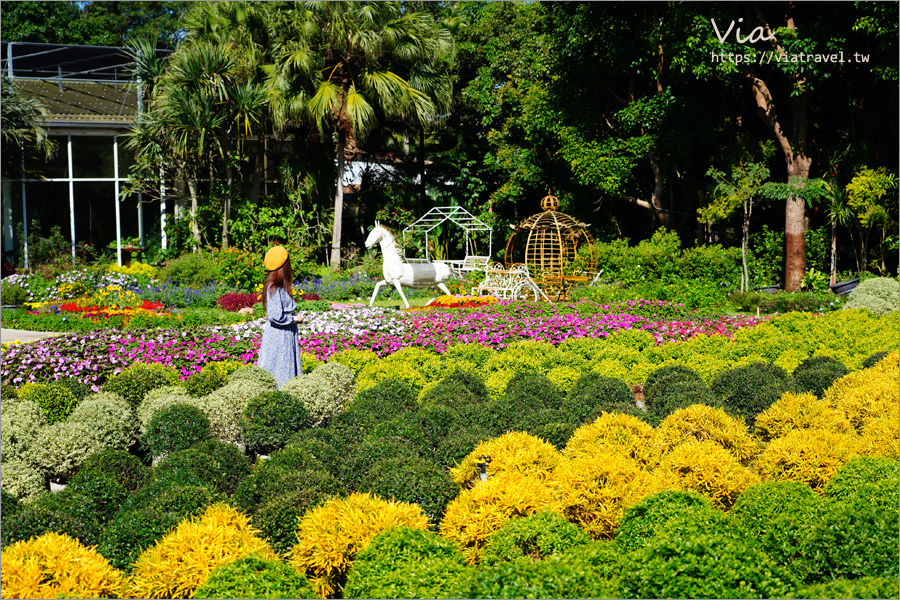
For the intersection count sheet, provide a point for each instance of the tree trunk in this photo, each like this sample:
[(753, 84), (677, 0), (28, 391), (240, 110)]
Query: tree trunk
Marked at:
[(226, 214), (745, 243), (338, 205), (195, 226), (833, 269), (258, 171)]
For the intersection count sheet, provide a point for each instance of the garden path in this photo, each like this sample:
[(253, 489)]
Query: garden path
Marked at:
[(11, 335)]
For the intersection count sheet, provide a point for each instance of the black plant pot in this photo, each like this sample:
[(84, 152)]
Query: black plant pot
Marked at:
[(769, 289), (844, 287)]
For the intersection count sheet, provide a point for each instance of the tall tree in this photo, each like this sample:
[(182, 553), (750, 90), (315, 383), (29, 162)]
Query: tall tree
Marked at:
[(345, 66)]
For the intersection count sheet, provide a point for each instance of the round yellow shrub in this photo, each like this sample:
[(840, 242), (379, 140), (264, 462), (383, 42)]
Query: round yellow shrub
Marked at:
[(708, 469), (496, 382), (181, 561), (799, 411), (332, 534), (866, 394), (880, 436), (56, 566), (807, 456), (614, 433), (513, 452), (479, 511), (700, 422), (595, 489)]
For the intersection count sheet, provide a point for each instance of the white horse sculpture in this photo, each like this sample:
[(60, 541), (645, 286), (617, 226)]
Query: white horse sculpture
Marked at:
[(401, 273)]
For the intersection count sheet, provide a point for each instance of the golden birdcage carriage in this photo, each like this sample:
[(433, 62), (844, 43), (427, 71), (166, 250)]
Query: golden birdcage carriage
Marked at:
[(548, 244)]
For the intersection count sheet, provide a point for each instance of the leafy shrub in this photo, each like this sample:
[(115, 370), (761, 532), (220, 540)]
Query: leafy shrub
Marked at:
[(592, 395), (211, 462), (777, 514), (405, 562), (64, 512), (648, 517), (254, 577), (747, 391), (514, 452), (456, 445), (56, 566), (138, 378), (276, 517), (203, 382), (79, 389), (382, 402), (271, 419), (331, 535), (56, 401), (552, 426), (111, 416), (881, 295), (805, 458), (817, 373), (288, 471), (371, 450), (700, 422), (193, 269), (122, 466), (182, 560), (415, 480), (156, 400), (235, 301), (473, 516), (615, 433), (856, 474), (534, 537), (799, 412), (525, 392), (225, 408), (22, 481), (237, 267), (174, 428), (59, 450), (254, 373), (674, 387), (785, 302), (326, 391), (9, 504), (105, 493), (707, 566), (177, 499), (20, 422), (864, 587), (564, 578), (355, 360), (868, 394), (708, 469), (881, 437), (873, 359), (130, 532)]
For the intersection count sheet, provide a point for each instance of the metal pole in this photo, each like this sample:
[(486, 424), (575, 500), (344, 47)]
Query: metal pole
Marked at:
[(24, 207), (162, 208), (71, 195), (116, 200)]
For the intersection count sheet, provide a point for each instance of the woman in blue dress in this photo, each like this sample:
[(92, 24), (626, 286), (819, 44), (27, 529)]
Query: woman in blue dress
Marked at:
[(279, 352)]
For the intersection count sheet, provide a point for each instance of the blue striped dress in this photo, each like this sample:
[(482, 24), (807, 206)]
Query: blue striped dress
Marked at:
[(279, 352)]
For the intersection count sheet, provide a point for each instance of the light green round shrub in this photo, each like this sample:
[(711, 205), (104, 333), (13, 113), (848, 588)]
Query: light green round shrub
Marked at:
[(254, 373), (158, 399), (59, 450), (255, 577), (56, 401), (20, 421), (112, 416), (645, 520), (858, 472), (534, 537), (135, 380), (325, 392), (203, 382), (881, 295), (225, 408), (863, 587), (22, 480)]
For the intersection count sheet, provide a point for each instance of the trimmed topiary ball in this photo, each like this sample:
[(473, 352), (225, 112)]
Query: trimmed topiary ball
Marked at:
[(874, 359), (121, 465), (370, 451), (20, 422), (859, 472), (382, 402), (112, 418), (523, 578), (130, 532), (405, 562), (256, 374), (255, 577), (646, 519), (59, 450), (203, 382), (276, 516), (55, 400), (65, 512), (271, 420), (22, 481), (137, 379), (747, 391), (174, 498), (595, 394), (174, 428), (881, 295), (458, 444), (864, 587), (817, 373), (220, 466), (674, 387), (534, 537), (412, 479)]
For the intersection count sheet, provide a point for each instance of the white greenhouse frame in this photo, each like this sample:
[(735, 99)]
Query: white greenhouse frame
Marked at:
[(463, 218)]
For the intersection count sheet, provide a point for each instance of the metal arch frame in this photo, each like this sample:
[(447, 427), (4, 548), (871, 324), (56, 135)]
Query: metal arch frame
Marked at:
[(459, 216)]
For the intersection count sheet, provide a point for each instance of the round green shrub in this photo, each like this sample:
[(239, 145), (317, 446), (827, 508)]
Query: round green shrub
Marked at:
[(602, 558), (130, 532), (553, 432), (404, 562), (104, 491), (276, 517), (256, 374), (413, 479), (385, 400), (138, 378), (55, 400), (8, 392), (594, 394), (210, 462), (817, 373), (777, 514), (881, 295), (673, 387), (271, 420), (195, 269), (20, 422), (864, 587), (121, 465), (645, 520), (179, 501), (524, 578), (9, 505), (22, 481), (463, 394), (326, 391), (705, 565), (225, 408), (458, 444), (176, 427), (63, 512), (156, 400), (79, 389), (852, 541), (528, 390), (203, 383), (60, 449), (469, 380), (330, 445), (857, 473), (255, 577), (536, 537), (371, 450), (874, 359), (747, 391), (111, 416)]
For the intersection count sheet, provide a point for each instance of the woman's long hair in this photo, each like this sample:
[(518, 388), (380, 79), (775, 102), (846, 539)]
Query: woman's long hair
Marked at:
[(279, 278)]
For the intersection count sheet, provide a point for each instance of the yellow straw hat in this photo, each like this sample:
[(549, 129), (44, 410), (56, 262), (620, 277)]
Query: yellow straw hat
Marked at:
[(275, 258)]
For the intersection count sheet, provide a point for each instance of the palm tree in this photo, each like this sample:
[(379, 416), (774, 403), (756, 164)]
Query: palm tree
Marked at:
[(22, 121), (345, 66)]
